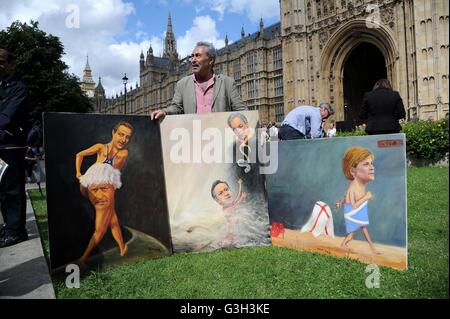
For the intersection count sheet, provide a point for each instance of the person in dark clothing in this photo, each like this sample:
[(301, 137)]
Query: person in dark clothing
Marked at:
[(33, 155), (382, 108), (14, 123), (32, 165), (34, 139)]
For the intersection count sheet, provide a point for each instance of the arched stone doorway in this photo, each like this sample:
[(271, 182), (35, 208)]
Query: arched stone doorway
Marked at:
[(352, 43), (362, 68)]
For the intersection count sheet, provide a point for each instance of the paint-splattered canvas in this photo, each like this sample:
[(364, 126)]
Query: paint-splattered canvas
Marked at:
[(344, 197), (105, 190), (215, 190)]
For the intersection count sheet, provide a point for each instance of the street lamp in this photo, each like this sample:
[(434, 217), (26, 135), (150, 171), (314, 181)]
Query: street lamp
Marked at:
[(125, 80)]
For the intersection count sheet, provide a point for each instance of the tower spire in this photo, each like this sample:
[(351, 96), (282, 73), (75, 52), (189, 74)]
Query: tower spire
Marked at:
[(150, 55), (261, 28), (88, 84), (142, 61), (170, 45), (169, 24), (99, 90), (87, 67)]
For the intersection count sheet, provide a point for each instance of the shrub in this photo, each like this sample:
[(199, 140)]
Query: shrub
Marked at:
[(426, 140), (359, 131)]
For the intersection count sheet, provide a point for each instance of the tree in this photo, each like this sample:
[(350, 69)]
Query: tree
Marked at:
[(39, 66)]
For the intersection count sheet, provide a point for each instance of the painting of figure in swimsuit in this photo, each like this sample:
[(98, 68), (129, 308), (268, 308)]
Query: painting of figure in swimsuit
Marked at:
[(344, 197), (99, 173)]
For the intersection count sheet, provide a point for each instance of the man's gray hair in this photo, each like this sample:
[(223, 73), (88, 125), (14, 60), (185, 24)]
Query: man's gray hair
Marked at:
[(328, 107), (211, 50), (239, 115)]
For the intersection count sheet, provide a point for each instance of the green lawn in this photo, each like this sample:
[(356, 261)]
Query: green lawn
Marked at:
[(273, 272)]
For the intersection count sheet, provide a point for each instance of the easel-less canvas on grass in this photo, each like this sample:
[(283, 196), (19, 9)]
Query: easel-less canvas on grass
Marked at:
[(344, 197), (215, 189), (105, 190)]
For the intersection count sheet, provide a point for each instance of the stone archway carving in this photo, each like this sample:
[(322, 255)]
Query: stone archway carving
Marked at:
[(338, 48)]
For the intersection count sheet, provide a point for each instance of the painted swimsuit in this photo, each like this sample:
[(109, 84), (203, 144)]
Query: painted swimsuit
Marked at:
[(355, 217), (108, 160)]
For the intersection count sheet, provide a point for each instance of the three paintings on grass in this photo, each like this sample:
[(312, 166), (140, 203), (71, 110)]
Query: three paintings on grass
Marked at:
[(122, 189)]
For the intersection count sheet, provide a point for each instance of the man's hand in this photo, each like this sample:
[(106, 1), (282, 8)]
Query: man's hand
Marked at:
[(157, 115)]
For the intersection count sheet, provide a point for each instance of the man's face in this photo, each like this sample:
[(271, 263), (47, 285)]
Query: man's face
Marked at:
[(5, 66), (364, 171), (101, 196), (239, 128), (201, 63), (121, 137), (222, 194), (324, 113)]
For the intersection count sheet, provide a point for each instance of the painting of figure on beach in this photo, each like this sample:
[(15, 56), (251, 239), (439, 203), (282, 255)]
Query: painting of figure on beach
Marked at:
[(215, 191), (105, 190), (344, 197)]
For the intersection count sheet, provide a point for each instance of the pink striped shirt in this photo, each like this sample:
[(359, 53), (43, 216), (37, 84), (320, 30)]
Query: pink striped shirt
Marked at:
[(204, 93)]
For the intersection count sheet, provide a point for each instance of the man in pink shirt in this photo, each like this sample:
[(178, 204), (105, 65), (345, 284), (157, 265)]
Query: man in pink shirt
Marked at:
[(203, 91)]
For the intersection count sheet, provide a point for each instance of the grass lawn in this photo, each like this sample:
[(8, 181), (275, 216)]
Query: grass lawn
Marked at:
[(273, 272)]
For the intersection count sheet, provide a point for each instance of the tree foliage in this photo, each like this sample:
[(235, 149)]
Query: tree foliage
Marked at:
[(39, 65)]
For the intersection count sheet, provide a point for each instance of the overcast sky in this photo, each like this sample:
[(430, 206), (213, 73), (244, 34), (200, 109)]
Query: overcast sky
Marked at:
[(113, 32)]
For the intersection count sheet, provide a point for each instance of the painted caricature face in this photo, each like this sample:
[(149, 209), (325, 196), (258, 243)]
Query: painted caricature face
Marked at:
[(364, 171), (121, 137), (101, 196), (222, 194), (201, 63), (239, 128)]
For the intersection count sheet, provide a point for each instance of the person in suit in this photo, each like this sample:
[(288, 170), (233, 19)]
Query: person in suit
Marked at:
[(382, 108), (14, 125), (203, 91)]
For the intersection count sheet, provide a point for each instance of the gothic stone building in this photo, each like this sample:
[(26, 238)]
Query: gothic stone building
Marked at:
[(336, 50), (320, 51)]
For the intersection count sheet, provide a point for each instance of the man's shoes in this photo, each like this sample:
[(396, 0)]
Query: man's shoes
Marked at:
[(9, 240)]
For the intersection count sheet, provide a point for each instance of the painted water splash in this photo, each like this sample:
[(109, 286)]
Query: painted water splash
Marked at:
[(207, 231)]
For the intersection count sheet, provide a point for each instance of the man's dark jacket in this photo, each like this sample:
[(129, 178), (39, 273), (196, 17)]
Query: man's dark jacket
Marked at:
[(14, 113)]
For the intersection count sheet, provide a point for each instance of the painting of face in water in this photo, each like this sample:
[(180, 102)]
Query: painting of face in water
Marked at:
[(99, 171), (344, 197), (215, 191)]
